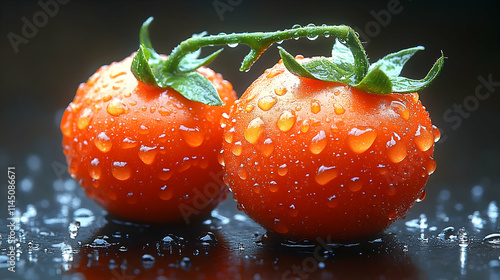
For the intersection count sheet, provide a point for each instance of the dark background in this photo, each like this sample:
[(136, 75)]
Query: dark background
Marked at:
[(40, 80)]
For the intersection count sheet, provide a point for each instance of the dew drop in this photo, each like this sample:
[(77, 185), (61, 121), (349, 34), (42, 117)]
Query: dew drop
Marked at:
[(249, 108), (193, 136), (305, 126), (147, 154), (234, 45), (116, 107), (165, 193), (355, 184), (315, 106), (396, 149), (273, 187), (236, 149), (94, 169), (280, 227), (144, 129), (463, 237), (423, 138), (361, 139), (280, 91), (282, 170), (121, 170), (286, 120), (493, 239), (293, 212), (242, 173), (84, 119), (436, 133), (220, 158), (338, 109), (208, 239), (128, 143), (164, 111), (400, 109), (430, 166), (267, 102), (421, 197), (229, 135), (325, 174), (103, 142), (318, 143), (332, 202), (254, 130), (274, 72), (73, 229), (267, 147), (165, 174)]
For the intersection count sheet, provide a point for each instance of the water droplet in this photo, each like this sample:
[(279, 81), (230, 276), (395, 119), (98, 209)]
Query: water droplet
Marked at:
[(361, 139), (267, 102), (293, 212), (430, 166), (229, 135), (128, 143), (296, 26), (249, 108), (165, 174), (312, 37), (280, 227), (84, 119), (121, 170), (338, 109), (447, 234), (280, 91), (355, 184), (273, 187), (100, 243), (73, 229), (254, 130), (171, 240), (396, 150), (234, 45), (463, 237), (436, 133), (318, 143), (242, 173), (164, 111), (267, 147), (236, 149), (274, 72), (422, 196), (165, 193), (315, 106), (193, 136), (332, 202), (94, 169), (423, 138), (286, 120), (147, 154), (220, 158), (305, 126), (103, 142), (144, 129), (116, 107), (282, 170), (493, 239), (400, 109), (325, 174), (147, 260), (208, 239), (186, 264)]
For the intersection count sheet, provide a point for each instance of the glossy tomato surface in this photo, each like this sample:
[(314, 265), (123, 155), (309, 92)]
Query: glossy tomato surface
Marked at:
[(143, 153), (308, 159)]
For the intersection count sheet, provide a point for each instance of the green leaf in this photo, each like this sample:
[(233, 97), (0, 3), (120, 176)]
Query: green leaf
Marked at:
[(324, 70), (193, 86), (191, 62), (141, 68), (402, 84), (376, 82), (393, 63), (342, 57), (293, 66)]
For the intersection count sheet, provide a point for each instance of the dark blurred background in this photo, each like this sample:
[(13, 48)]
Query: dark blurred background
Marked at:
[(40, 74)]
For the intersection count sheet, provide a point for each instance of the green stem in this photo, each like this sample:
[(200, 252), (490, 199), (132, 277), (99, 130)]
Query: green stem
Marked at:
[(260, 41)]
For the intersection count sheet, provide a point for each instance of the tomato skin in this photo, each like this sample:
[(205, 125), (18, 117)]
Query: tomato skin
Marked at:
[(145, 154), (309, 159)]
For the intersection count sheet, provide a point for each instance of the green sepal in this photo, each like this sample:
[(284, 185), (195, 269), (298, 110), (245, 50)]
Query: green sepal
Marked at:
[(294, 66), (342, 57), (404, 85), (376, 82), (393, 63), (149, 67)]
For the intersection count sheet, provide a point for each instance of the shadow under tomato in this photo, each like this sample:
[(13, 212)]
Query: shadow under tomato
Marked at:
[(128, 251)]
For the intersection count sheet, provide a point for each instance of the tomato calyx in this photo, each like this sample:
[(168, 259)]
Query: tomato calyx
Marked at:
[(381, 77)]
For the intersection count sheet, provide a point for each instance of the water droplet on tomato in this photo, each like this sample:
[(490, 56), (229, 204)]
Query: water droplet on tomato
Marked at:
[(315, 106), (286, 120), (273, 186), (165, 193), (267, 147), (242, 173), (361, 139), (280, 227), (338, 109), (121, 170), (325, 174), (400, 109), (116, 107), (84, 119), (318, 143), (254, 130), (421, 197), (220, 158), (280, 91), (165, 174), (355, 184), (430, 166), (267, 102), (73, 167), (436, 133), (249, 108), (103, 142), (95, 169), (164, 111), (274, 72), (396, 150), (236, 149), (229, 135), (282, 170), (147, 154), (192, 136), (144, 129), (414, 96), (128, 143), (423, 138), (332, 202), (184, 165), (305, 126), (293, 212)]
